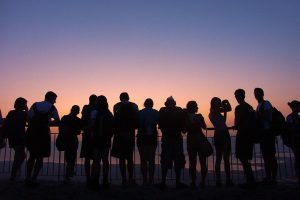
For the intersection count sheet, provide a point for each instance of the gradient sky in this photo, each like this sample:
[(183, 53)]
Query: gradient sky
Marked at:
[(190, 49)]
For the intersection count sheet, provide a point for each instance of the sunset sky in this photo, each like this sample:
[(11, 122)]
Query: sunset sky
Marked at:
[(190, 49)]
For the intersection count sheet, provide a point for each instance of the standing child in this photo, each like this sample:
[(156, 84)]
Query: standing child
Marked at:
[(69, 128), (14, 128)]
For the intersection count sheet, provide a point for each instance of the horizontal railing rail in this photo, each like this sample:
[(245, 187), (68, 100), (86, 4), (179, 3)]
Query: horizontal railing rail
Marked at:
[(54, 166)]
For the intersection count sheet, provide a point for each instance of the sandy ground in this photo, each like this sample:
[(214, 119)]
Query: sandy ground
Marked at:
[(288, 190)]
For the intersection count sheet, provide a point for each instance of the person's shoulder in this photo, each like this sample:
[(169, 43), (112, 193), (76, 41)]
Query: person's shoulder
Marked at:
[(85, 107), (65, 117), (199, 115), (289, 117), (267, 104), (246, 106)]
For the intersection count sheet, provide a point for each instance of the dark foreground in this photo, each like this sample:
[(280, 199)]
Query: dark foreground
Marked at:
[(287, 190)]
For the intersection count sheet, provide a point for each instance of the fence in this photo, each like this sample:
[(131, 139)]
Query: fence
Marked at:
[(54, 166)]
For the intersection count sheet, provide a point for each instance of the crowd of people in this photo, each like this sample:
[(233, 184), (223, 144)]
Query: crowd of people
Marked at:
[(107, 133)]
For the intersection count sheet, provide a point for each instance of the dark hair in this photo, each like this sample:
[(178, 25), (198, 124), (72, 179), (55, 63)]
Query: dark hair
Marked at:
[(191, 106), (239, 93), (259, 90), (101, 102), (214, 102), (148, 103), (20, 103), (92, 99), (75, 109), (124, 96), (50, 95)]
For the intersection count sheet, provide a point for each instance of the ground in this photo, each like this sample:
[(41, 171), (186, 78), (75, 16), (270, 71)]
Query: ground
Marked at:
[(57, 190)]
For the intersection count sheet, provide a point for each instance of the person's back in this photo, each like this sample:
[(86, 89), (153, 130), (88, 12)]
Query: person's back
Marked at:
[(148, 119), (126, 116), (245, 117), (102, 128), (171, 121), (86, 116), (38, 134), (14, 126), (70, 127), (125, 123)]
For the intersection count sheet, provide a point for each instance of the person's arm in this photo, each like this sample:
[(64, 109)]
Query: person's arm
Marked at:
[(202, 121), (55, 117), (267, 111), (236, 118)]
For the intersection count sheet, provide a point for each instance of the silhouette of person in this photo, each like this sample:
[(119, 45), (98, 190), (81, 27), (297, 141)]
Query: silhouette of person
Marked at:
[(38, 134), (267, 143), (244, 123), (293, 126), (69, 128), (195, 124), (171, 124), (86, 146), (147, 140), (222, 139), (1, 119), (2, 141), (14, 128), (102, 132), (125, 122)]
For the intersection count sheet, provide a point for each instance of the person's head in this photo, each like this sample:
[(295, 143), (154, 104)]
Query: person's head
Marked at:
[(50, 97), (295, 106), (170, 102), (20, 104), (148, 103), (215, 102), (101, 102), (124, 96), (75, 110), (259, 94), (92, 99), (239, 95), (192, 107)]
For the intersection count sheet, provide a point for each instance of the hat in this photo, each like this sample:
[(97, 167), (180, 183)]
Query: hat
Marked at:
[(170, 101), (294, 104), (170, 98)]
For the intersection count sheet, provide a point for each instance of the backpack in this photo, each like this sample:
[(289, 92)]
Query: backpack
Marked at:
[(278, 125)]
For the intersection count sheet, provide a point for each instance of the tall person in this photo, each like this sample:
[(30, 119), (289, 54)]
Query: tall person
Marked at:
[(87, 148), (267, 138), (244, 122), (171, 124), (38, 134), (222, 141), (125, 122)]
